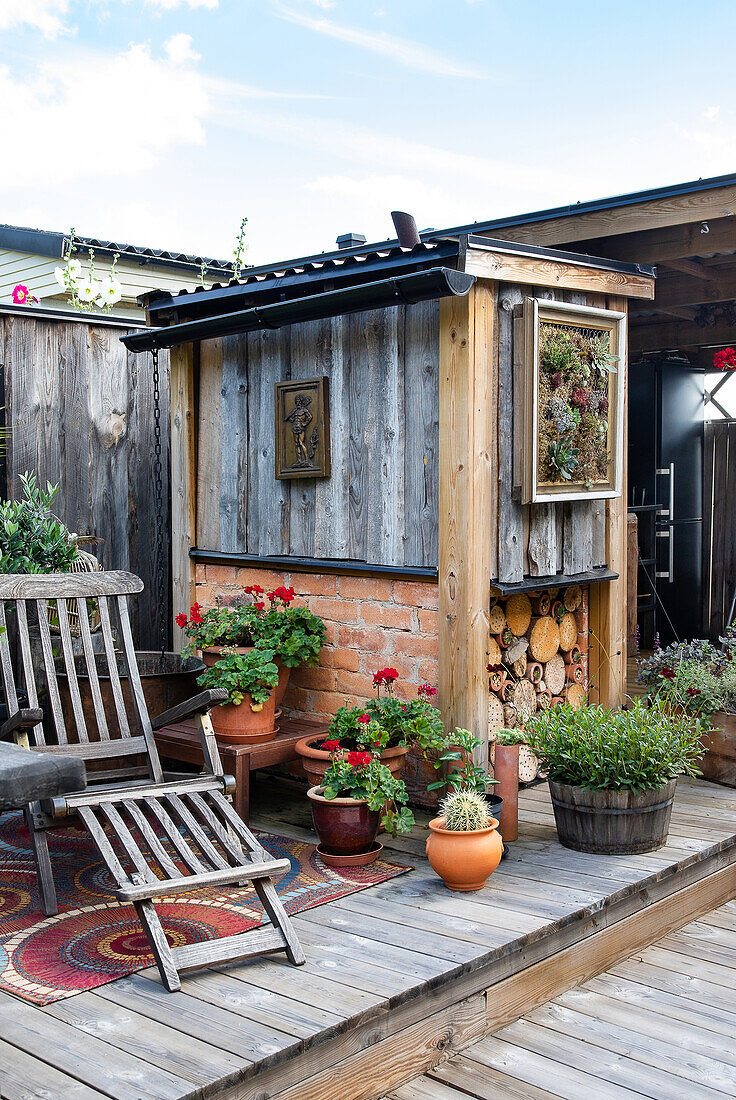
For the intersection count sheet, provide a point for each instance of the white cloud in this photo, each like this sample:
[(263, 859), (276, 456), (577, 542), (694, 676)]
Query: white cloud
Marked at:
[(711, 112), (412, 55), (71, 102), (170, 5), (179, 50), (44, 15)]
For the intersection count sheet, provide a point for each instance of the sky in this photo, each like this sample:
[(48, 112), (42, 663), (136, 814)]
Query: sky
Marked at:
[(164, 122)]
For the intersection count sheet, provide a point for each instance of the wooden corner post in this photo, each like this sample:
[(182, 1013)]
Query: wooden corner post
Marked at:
[(183, 483), (466, 449)]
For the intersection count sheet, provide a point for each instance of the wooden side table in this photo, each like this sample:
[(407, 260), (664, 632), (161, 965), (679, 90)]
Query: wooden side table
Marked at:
[(181, 742)]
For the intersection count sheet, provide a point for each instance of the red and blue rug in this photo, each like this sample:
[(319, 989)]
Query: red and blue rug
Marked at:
[(95, 939)]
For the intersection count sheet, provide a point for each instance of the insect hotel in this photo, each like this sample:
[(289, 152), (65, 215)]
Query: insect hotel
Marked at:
[(427, 441)]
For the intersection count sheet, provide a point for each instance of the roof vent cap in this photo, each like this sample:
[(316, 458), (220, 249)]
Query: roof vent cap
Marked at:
[(350, 240), (406, 229)]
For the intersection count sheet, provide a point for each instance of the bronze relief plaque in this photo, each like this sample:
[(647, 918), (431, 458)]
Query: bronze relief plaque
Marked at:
[(302, 428)]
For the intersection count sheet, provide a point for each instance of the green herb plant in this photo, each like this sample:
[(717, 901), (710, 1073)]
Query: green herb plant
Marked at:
[(241, 674), (638, 749)]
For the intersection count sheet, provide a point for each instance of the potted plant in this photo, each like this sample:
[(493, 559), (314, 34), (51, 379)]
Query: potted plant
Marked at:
[(357, 794), (249, 678), (385, 724), (697, 678), (295, 634), (464, 846), (219, 628), (612, 775)]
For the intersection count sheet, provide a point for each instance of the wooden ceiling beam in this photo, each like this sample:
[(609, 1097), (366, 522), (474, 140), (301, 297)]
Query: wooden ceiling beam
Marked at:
[(690, 267), (697, 206), (683, 290), (657, 246), (677, 335)]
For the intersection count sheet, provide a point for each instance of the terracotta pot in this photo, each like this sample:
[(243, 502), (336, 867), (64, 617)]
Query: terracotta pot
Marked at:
[(345, 826), (464, 861), (316, 761), (242, 725), (280, 690), (212, 655), (506, 772)]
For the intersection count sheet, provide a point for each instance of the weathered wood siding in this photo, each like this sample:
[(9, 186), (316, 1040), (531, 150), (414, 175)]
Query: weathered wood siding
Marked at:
[(81, 414), (535, 540), (381, 503)]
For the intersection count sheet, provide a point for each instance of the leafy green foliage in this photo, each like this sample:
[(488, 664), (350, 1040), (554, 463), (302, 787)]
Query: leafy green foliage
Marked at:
[(638, 749), (462, 773), (510, 737), (394, 723), (563, 457), (464, 811), (372, 782), (557, 352), (242, 674), (694, 675), (295, 634), (32, 540)]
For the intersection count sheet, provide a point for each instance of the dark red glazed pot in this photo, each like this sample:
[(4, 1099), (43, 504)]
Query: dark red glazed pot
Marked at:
[(345, 826)]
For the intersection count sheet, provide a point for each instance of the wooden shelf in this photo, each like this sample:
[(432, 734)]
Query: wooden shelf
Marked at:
[(558, 580)]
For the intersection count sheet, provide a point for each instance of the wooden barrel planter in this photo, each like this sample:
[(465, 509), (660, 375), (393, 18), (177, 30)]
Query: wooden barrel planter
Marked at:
[(612, 822), (719, 761)]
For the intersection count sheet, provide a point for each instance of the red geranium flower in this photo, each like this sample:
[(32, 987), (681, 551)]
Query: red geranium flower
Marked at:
[(330, 746), (181, 620), (260, 605), (725, 359), (385, 676), (359, 759), (365, 718), (195, 613), (692, 691), (427, 690)]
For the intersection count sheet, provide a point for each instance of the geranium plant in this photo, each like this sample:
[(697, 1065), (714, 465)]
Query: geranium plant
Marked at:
[(725, 359), (295, 633), (241, 674), (359, 774), (221, 626), (388, 722)]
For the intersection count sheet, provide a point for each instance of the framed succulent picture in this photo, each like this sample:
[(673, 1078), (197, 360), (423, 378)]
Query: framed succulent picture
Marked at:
[(573, 393)]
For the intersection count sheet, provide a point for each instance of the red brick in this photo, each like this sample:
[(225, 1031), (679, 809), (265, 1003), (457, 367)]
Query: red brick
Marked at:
[(267, 578), (387, 615), (355, 684), (319, 679), (405, 666), (416, 594), (200, 573), (296, 698), (429, 621), (429, 672), (365, 588), (412, 645), (204, 595), (331, 633), (222, 574), (371, 639), (348, 659), (339, 611), (327, 702), (314, 584)]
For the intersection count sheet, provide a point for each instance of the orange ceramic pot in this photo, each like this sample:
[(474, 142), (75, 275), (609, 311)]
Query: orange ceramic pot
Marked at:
[(316, 761), (280, 690), (244, 725), (464, 860)]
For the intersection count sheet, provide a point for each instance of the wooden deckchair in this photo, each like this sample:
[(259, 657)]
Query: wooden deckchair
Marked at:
[(135, 803)]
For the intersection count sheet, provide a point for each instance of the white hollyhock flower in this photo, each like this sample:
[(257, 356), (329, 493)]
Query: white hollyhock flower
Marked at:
[(110, 292), (68, 276), (74, 268), (88, 290)]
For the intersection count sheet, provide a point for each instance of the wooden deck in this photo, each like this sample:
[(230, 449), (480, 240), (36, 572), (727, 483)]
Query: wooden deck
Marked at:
[(398, 978), (660, 1025)]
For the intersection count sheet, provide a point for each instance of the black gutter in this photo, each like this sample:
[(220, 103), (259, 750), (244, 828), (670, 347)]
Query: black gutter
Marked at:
[(326, 273), (292, 564), (40, 313), (439, 282)]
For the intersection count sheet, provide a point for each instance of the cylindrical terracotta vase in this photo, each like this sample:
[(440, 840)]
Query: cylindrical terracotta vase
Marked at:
[(506, 774)]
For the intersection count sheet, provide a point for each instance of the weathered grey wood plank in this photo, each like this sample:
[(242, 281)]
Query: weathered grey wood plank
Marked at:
[(210, 444), (331, 518), (234, 472), (510, 512), (421, 455), (266, 498)]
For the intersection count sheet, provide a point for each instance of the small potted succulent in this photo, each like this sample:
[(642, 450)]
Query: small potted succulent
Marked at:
[(250, 679), (612, 774), (357, 794), (385, 724)]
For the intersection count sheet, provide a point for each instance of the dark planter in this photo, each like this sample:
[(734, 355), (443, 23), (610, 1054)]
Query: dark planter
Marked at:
[(345, 826), (719, 760), (612, 822)]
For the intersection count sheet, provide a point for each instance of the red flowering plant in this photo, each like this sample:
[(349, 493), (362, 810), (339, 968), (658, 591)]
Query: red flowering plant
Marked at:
[(692, 676), (725, 359), (295, 633), (23, 297), (359, 774), (388, 721), (221, 626)]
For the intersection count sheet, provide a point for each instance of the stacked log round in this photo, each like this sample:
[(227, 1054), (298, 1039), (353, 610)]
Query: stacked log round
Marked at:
[(519, 666), (525, 699), (568, 631), (572, 597), (542, 604), (544, 640), (575, 695), (495, 714), (582, 623), (494, 652), (518, 613), (534, 672), (510, 716), (528, 764), (554, 674), (496, 619)]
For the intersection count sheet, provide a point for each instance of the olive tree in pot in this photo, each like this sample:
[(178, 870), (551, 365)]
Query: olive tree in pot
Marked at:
[(612, 775)]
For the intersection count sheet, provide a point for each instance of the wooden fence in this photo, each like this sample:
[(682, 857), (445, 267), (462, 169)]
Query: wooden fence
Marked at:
[(80, 410), (719, 530)]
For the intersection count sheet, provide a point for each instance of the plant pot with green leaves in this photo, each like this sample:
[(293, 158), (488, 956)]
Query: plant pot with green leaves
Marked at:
[(358, 793), (464, 846), (612, 775), (249, 678), (295, 634), (387, 724), (220, 628)]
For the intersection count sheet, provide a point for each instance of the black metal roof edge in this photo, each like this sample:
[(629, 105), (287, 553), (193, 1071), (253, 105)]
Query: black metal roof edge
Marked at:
[(313, 565), (493, 244), (45, 242), (40, 313), (630, 198), (557, 580), (361, 264)]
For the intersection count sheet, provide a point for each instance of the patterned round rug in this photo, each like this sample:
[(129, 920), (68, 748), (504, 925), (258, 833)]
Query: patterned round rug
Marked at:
[(94, 939)]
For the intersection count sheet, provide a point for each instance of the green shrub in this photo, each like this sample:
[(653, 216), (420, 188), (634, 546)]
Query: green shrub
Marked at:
[(32, 540), (638, 749)]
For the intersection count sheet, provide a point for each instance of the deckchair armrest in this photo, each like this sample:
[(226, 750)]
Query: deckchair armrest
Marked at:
[(198, 704), (24, 719)]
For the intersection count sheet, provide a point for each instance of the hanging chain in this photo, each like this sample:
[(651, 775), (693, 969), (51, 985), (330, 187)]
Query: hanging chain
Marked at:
[(158, 491)]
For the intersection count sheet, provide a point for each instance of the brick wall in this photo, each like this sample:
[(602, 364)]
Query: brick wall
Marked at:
[(370, 622)]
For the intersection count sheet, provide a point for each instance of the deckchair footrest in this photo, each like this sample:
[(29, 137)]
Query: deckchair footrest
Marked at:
[(146, 891), (260, 941)]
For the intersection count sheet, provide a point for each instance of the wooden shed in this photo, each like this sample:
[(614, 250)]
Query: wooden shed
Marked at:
[(435, 509)]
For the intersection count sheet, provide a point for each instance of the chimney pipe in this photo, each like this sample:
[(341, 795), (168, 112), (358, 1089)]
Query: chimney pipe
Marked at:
[(350, 240), (406, 229)]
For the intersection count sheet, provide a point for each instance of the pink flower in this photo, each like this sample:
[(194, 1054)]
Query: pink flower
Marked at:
[(22, 296), (427, 690)]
